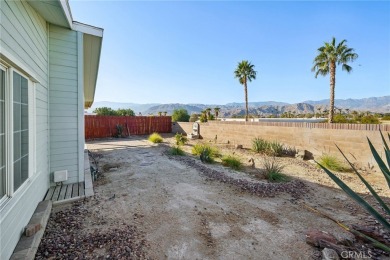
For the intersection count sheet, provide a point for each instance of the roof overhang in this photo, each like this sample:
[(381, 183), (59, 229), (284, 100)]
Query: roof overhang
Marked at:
[(58, 12), (92, 45), (54, 11)]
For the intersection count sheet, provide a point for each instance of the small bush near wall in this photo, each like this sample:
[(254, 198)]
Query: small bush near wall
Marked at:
[(274, 170), (232, 161), (332, 162), (260, 145), (155, 138)]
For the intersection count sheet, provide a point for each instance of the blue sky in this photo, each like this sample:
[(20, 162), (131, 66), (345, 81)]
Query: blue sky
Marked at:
[(186, 52)]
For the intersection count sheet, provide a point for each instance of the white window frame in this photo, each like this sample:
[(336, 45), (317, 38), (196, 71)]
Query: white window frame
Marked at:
[(9, 149)]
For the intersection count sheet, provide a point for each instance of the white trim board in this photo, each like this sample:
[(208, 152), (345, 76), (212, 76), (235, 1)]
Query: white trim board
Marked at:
[(88, 29)]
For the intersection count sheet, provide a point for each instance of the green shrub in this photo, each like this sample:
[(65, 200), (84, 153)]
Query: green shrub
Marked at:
[(260, 145), (276, 148), (232, 161), (206, 150), (180, 139), (125, 112), (203, 118), (338, 118), (386, 117), (332, 162), (206, 156), (180, 115), (155, 138), (274, 170), (176, 150), (370, 119), (105, 111)]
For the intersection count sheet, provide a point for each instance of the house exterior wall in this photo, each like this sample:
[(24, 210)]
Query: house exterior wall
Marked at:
[(64, 71), (24, 36)]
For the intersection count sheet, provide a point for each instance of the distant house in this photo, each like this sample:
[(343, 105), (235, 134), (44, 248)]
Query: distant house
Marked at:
[(48, 71)]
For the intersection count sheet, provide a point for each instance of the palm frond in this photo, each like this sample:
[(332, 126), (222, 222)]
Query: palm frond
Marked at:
[(347, 68)]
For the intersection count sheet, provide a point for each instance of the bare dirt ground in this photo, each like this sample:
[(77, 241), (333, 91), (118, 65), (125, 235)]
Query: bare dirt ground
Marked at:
[(151, 205)]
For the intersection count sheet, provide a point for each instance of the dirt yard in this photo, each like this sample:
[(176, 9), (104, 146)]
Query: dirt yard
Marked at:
[(152, 205)]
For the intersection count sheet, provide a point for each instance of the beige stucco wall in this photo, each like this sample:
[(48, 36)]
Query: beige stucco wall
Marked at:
[(353, 142)]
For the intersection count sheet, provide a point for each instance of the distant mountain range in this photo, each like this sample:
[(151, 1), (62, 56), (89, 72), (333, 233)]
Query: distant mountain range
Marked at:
[(373, 104)]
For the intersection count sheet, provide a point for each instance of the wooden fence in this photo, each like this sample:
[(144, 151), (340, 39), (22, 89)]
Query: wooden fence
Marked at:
[(106, 126)]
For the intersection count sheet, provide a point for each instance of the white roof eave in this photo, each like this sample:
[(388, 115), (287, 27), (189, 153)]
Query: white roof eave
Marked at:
[(67, 12)]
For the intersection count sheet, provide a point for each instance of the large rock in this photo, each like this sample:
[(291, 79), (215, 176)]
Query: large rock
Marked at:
[(304, 155)]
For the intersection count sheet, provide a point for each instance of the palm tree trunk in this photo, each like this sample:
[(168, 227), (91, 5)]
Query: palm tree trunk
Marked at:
[(332, 88), (246, 101)]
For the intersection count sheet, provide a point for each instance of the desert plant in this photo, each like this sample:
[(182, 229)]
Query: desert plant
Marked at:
[(275, 148), (274, 170), (232, 161), (199, 148), (260, 145), (176, 150), (385, 169), (206, 156), (289, 151), (180, 139), (203, 118), (332, 162), (119, 129), (155, 138)]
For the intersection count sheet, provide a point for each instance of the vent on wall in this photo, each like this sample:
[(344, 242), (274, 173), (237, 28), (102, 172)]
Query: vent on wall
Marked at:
[(60, 176)]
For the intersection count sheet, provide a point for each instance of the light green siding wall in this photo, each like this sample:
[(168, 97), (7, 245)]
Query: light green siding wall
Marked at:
[(24, 36), (64, 105)]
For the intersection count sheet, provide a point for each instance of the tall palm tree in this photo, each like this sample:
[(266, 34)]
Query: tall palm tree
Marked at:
[(245, 72), (216, 111), (325, 63)]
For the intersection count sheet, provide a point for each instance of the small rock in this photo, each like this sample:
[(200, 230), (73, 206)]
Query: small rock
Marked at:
[(238, 146), (329, 254), (314, 236)]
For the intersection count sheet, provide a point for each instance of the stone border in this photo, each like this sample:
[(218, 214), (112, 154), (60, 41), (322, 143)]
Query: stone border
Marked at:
[(27, 246), (88, 189)]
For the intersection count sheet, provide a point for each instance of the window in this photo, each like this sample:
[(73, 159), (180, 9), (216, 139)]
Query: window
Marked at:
[(2, 133), (15, 130), (20, 130)]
